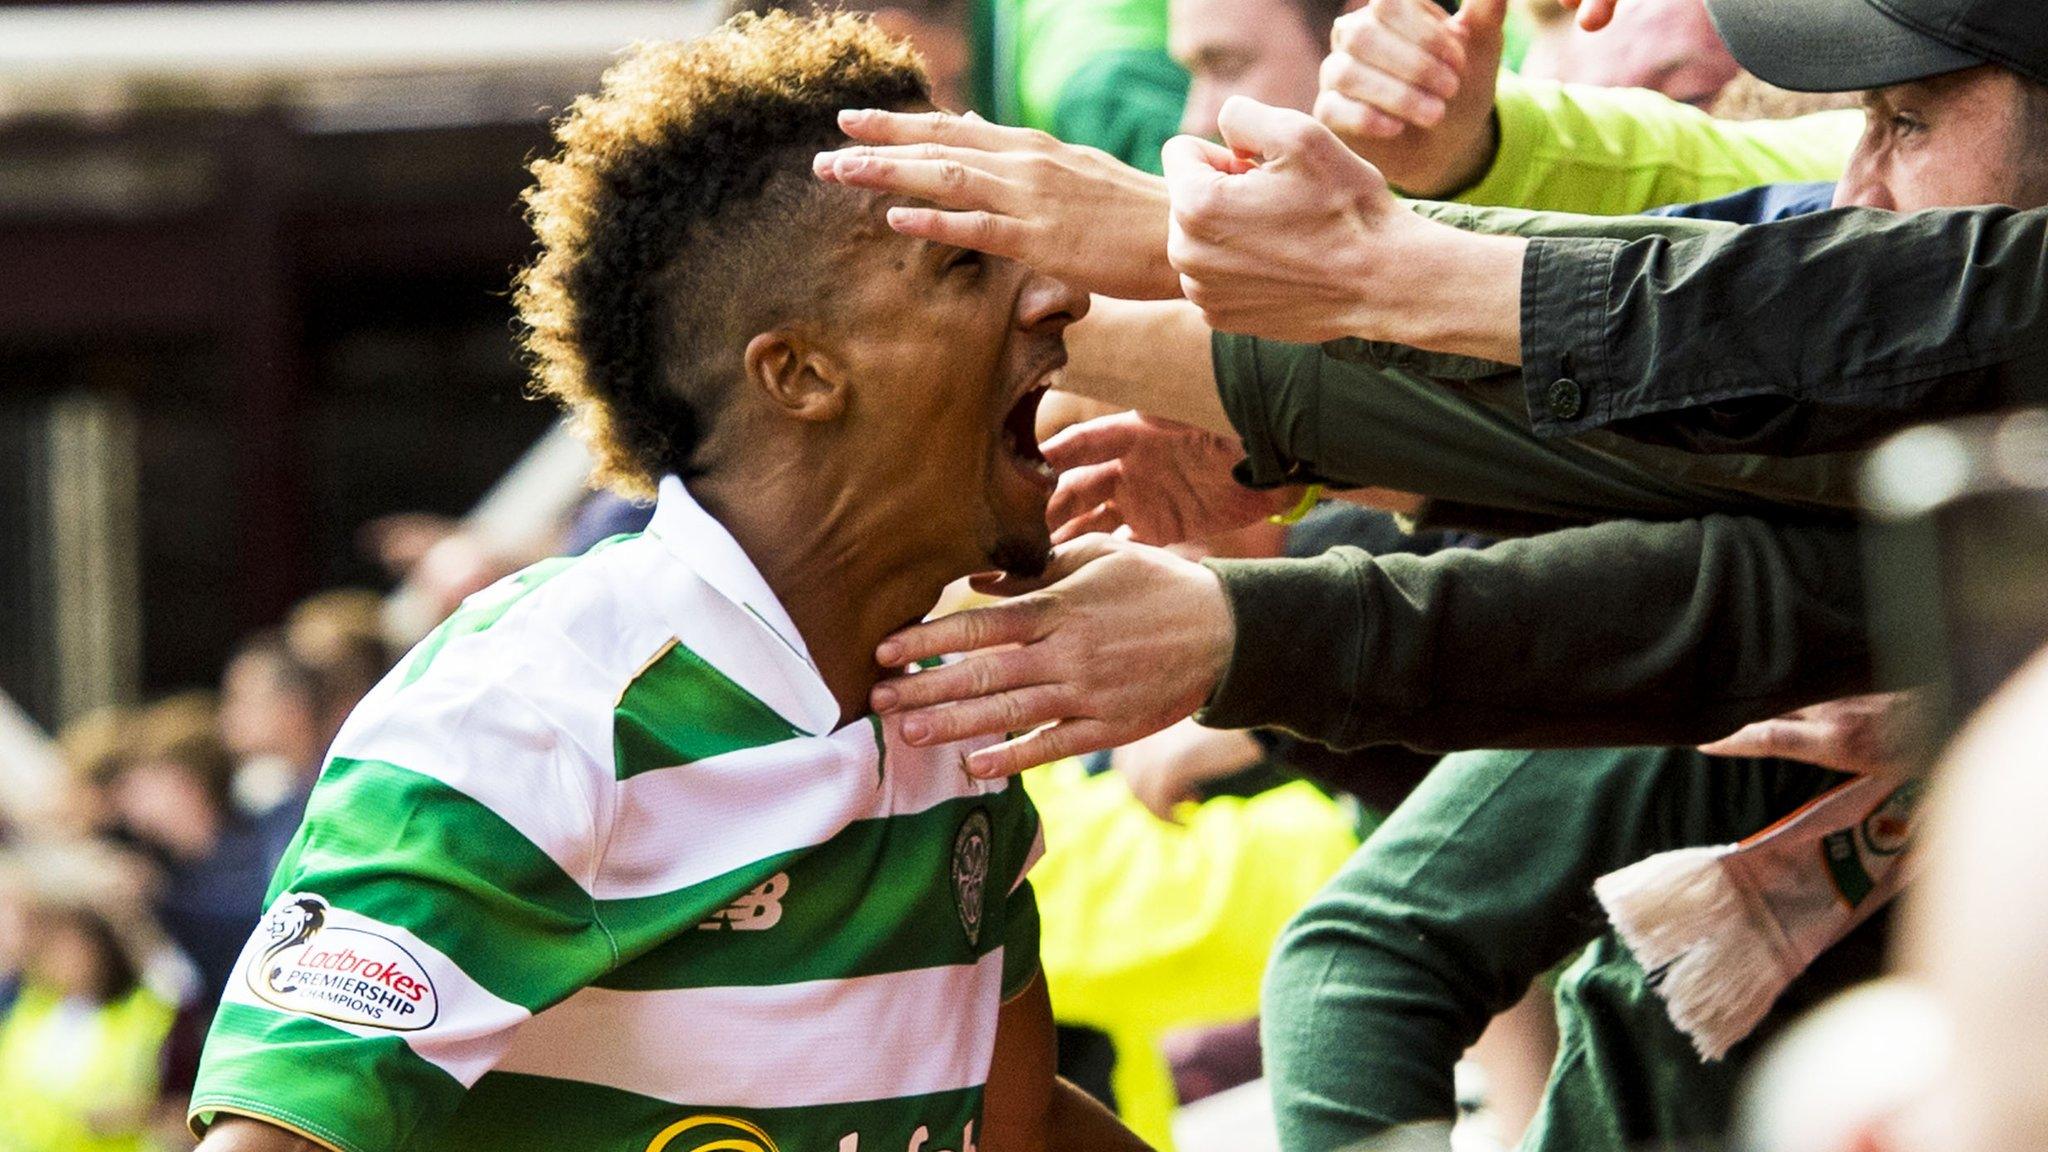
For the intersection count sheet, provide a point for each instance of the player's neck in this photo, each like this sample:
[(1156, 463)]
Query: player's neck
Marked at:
[(846, 582)]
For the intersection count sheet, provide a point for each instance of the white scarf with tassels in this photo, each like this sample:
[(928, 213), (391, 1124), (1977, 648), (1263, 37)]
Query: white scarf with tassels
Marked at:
[(1722, 930)]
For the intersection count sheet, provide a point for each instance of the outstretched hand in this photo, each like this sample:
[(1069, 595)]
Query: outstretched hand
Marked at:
[(1071, 212), (1152, 480), (1880, 734), (1411, 89), (1289, 235), (1279, 233), (1115, 642)]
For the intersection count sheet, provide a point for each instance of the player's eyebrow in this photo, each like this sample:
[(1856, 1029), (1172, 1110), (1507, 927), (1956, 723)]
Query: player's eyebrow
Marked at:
[(934, 254)]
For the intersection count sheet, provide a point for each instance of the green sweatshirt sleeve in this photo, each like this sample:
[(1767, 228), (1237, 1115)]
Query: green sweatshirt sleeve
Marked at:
[(1453, 907), (1053, 41), (1614, 151), (1358, 414), (1626, 631)]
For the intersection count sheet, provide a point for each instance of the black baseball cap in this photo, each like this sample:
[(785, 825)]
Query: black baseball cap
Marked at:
[(1845, 45)]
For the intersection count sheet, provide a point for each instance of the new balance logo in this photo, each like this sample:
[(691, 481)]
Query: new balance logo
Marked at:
[(757, 911)]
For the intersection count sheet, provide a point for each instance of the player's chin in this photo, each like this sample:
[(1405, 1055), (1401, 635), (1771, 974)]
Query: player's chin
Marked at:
[(1023, 552), (1017, 498)]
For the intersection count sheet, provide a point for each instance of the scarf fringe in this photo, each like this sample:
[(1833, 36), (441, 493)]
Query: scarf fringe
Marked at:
[(1709, 952)]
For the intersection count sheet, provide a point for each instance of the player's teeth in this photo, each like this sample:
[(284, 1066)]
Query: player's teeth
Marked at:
[(1044, 469)]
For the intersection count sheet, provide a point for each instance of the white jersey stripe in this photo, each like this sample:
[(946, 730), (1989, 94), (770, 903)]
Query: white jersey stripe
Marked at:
[(672, 827), (512, 760), (681, 826), (775, 1046)]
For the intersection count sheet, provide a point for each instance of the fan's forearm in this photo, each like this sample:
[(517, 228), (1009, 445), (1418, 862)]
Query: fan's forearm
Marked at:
[(1152, 356)]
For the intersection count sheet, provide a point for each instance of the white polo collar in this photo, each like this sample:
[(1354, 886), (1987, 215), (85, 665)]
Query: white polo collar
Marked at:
[(701, 542)]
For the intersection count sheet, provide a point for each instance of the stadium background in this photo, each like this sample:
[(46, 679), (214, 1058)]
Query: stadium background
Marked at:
[(256, 259)]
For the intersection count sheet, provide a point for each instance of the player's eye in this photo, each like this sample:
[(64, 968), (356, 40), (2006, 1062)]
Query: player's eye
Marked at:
[(963, 258)]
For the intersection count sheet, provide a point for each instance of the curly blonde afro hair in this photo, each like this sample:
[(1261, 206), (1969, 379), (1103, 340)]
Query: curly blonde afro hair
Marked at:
[(680, 217)]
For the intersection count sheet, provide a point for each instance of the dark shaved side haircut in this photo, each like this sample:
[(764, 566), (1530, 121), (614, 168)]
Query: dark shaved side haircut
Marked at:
[(679, 218)]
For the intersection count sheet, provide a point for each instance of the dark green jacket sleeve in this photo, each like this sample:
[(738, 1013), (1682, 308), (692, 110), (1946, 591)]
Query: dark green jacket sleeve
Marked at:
[(1811, 334), (1624, 632), (1454, 429), (1454, 906)]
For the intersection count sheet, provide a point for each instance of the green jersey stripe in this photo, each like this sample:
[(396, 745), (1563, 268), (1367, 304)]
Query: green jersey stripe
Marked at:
[(860, 904), (325, 1095), (681, 710), (405, 849), (513, 1111)]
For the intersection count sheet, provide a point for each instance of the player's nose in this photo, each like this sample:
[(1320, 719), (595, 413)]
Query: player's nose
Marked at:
[(1047, 301)]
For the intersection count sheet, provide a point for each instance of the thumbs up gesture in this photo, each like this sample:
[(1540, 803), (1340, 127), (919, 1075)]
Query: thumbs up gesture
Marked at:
[(1411, 89)]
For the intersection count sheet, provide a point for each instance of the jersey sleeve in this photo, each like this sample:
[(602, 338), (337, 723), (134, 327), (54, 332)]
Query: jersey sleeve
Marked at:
[(428, 907)]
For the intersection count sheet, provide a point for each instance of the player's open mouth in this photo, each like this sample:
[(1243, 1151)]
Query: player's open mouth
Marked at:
[(1020, 436)]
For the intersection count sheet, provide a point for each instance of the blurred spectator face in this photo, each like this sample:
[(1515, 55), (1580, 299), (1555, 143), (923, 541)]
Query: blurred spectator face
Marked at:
[(1970, 137), (939, 33), (1669, 46), (171, 806), (174, 795), (267, 708), (339, 636), (95, 747), (75, 957), (1263, 49)]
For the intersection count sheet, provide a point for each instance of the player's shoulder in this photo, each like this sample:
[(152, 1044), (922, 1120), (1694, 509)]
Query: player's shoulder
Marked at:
[(593, 620), (543, 655), (615, 656)]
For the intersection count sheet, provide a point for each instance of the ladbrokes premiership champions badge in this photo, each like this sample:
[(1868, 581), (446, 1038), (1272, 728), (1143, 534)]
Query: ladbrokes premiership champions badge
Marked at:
[(323, 962), (970, 872)]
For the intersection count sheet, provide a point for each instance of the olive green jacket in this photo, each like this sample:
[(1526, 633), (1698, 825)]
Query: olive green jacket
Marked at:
[(1808, 334), (1716, 590)]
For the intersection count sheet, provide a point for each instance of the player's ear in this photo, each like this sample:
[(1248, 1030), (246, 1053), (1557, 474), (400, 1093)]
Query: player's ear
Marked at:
[(799, 378)]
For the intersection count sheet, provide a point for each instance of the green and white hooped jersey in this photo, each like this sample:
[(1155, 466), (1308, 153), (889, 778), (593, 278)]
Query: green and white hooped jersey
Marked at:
[(591, 869)]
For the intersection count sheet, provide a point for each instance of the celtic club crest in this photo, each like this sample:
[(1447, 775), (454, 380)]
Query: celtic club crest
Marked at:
[(970, 872)]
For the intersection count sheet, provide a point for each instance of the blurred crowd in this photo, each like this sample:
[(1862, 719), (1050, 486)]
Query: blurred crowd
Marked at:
[(123, 917), (1175, 862)]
